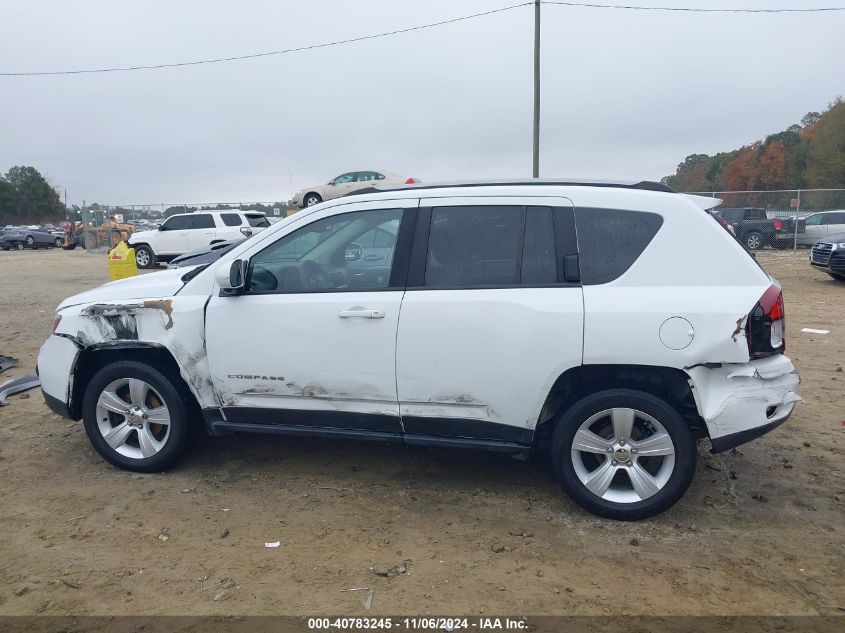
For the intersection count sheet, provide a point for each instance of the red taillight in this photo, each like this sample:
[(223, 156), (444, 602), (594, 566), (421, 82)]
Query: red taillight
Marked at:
[(412, 181), (766, 326), (778, 225)]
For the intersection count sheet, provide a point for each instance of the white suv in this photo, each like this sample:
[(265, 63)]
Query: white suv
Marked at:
[(186, 232), (503, 317)]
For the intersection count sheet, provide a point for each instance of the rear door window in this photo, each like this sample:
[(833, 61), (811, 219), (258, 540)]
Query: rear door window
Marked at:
[(231, 219), (259, 221), (611, 240), (203, 221)]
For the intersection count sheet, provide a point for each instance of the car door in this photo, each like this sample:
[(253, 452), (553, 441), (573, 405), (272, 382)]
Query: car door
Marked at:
[(834, 222), (814, 230), (488, 321), (340, 186), (300, 346), (172, 236), (202, 231)]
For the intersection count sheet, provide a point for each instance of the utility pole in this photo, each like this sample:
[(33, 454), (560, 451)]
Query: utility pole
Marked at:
[(536, 148)]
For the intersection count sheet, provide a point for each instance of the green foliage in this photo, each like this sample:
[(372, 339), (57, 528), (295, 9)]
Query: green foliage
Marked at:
[(27, 198), (809, 154)]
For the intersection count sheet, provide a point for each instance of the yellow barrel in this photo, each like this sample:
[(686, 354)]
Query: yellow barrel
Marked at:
[(122, 262)]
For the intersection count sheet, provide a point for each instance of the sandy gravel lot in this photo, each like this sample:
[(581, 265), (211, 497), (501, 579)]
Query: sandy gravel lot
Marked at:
[(760, 531)]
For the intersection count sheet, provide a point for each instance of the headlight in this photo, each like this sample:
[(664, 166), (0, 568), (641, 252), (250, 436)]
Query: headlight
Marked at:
[(839, 245)]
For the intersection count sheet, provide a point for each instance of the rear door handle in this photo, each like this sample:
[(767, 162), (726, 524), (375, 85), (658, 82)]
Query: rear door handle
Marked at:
[(362, 313)]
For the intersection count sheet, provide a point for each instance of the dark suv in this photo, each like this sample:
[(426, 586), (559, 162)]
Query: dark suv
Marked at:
[(828, 255)]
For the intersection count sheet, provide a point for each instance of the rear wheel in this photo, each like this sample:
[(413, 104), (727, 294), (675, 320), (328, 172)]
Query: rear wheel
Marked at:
[(144, 257), (58, 242), (136, 417), (29, 240), (19, 246), (623, 454), (754, 241)]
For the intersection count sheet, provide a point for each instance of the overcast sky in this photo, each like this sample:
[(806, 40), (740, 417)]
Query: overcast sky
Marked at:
[(626, 94)]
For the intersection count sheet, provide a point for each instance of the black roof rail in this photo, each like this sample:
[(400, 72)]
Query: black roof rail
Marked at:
[(645, 185)]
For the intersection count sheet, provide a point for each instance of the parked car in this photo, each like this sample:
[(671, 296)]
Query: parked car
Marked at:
[(20, 238), (755, 229), (186, 232), (821, 225), (347, 183), (828, 255), (516, 331)]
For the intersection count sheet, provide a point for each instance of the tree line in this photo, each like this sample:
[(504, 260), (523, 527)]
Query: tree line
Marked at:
[(807, 155), (27, 198)]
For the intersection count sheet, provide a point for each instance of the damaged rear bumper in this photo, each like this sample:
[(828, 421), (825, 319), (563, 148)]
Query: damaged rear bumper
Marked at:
[(740, 402)]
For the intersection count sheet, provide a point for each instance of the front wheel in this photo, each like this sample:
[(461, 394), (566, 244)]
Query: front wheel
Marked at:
[(19, 246), (136, 417), (58, 242), (29, 240), (144, 257), (623, 454)]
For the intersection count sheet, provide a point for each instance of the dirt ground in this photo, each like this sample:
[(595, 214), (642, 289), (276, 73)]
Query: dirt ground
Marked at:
[(759, 532)]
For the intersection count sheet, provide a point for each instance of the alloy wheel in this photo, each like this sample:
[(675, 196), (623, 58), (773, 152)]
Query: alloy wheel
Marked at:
[(133, 418), (623, 455)]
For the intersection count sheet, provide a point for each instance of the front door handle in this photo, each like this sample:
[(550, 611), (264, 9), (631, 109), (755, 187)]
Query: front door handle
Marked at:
[(362, 313)]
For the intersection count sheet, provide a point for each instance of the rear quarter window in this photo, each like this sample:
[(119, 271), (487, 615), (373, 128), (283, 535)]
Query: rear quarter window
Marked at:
[(611, 240), (258, 220)]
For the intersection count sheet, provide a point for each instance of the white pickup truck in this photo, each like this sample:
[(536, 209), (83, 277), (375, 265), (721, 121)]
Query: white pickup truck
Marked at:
[(186, 232)]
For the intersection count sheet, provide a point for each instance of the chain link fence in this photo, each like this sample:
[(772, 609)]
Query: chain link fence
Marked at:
[(789, 218)]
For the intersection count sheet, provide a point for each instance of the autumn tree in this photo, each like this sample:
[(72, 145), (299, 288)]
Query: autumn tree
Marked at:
[(826, 150)]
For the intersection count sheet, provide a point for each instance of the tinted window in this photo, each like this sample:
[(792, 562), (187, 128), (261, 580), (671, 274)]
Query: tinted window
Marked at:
[(755, 214), (177, 223), (258, 220), (231, 219), (834, 218), (473, 246), (203, 221), (326, 255), (538, 252), (609, 241), (732, 215), (364, 176)]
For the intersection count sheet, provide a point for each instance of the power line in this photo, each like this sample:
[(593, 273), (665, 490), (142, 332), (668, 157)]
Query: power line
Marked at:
[(298, 49), (591, 5)]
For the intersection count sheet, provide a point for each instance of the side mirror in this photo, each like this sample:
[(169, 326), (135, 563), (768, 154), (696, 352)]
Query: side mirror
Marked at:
[(232, 279), (353, 253)]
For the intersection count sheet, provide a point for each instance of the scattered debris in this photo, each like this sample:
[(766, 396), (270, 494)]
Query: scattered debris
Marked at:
[(272, 545), (221, 596), (16, 385), (810, 330), (368, 601), (21, 589), (760, 498), (634, 541), (228, 583), (380, 570), (497, 548), (224, 533), (24, 396), (163, 534), (714, 467), (188, 490), (807, 444), (7, 362), (522, 533)]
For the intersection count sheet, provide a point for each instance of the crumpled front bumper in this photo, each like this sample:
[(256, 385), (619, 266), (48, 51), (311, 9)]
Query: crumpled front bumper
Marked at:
[(56, 362), (740, 402)]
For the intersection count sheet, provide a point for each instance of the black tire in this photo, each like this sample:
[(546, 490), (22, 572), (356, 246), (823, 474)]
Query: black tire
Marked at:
[(58, 242), (144, 256), (312, 198), (19, 246), (166, 388), (666, 415), (29, 241), (753, 240)]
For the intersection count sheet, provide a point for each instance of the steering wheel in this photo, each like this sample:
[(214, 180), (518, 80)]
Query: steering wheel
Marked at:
[(314, 276)]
